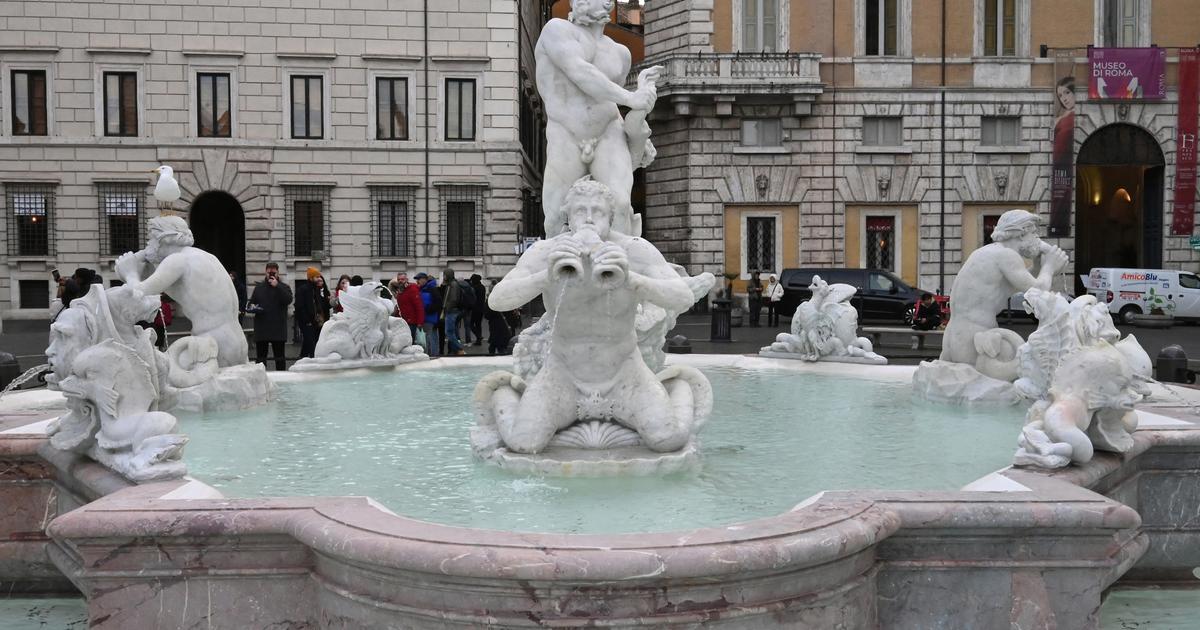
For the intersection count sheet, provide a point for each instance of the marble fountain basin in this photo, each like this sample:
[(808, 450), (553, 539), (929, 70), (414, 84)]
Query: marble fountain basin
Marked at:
[(775, 529)]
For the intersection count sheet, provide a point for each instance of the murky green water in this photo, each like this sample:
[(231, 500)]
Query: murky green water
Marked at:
[(776, 438), (43, 613), (1151, 609)]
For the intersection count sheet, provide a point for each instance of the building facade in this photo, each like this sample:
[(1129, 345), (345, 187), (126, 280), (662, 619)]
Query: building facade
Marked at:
[(364, 137), (892, 133)]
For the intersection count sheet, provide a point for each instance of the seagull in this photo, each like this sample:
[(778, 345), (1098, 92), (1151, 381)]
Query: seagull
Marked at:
[(167, 190)]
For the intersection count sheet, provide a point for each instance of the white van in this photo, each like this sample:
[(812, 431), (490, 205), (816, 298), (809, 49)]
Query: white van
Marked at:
[(1130, 292)]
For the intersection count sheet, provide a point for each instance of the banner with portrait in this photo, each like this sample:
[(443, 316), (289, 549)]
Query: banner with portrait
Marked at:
[(1062, 163), (1183, 209)]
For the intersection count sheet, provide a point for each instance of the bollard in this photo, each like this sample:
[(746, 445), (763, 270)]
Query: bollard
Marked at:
[(722, 320), (9, 369), (679, 345), (1171, 366)]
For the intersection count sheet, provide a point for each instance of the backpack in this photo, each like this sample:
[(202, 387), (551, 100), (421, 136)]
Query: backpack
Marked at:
[(466, 295)]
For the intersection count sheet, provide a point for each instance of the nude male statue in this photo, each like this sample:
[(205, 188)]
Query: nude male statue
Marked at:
[(579, 76), (192, 277), (991, 275), (592, 278)]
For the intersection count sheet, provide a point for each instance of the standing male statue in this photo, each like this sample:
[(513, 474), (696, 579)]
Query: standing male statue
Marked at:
[(192, 277), (580, 71)]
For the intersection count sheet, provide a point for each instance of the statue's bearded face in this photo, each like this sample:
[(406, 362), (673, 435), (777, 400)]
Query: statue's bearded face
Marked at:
[(1029, 245), (588, 12), (68, 337)]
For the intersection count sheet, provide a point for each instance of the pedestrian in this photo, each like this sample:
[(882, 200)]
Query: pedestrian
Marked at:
[(431, 301), (269, 303), (307, 313), (754, 295), (335, 300), (928, 316), (453, 311), (239, 287), (774, 297), (480, 308), (356, 280), (499, 334), (161, 321), (412, 308), (323, 298)]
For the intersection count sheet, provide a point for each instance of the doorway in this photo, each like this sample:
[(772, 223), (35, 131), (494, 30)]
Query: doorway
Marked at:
[(219, 227), (1118, 201)]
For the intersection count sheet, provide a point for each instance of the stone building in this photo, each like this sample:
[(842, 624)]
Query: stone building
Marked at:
[(891, 133), (363, 137)]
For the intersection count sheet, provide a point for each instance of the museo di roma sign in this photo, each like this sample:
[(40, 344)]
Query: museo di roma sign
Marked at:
[(1127, 73)]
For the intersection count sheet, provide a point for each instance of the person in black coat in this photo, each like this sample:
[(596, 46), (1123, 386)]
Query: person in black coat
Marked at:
[(269, 304), (480, 309), (239, 287), (928, 315), (306, 313)]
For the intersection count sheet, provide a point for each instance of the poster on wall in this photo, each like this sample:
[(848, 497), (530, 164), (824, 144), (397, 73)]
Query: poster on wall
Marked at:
[(1062, 173), (1127, 73), (1183, 210)]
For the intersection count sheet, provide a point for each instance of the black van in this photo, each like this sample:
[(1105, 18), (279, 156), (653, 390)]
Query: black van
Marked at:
[(881, 294)]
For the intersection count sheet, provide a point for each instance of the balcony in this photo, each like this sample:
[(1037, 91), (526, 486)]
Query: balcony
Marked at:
[(724, 77)]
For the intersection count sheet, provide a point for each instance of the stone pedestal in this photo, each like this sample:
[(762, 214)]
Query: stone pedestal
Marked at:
[(237, 387), (960, 384)]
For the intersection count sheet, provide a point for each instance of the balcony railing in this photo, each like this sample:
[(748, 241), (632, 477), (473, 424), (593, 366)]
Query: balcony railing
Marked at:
[(736, 73)]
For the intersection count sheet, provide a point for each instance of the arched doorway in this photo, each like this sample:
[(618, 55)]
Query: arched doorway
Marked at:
[(1118, 200), (219, 227)]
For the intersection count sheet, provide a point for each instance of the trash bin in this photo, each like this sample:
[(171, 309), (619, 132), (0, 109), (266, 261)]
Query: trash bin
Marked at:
[(679, 345), (722, 320), (9, 369), (1171, 366)]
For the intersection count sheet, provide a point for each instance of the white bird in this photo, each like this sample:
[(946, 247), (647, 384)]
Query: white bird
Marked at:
[(167, 189)]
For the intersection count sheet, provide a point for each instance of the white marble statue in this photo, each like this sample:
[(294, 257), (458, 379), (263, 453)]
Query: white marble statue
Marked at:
[(825, 328), (195, 279), (587, 367), (1089, 406), (580, 72), (979, 359), (1063, 328), (364, 334)]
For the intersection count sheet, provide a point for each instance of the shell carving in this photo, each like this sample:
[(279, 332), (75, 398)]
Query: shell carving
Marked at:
[(596, 434)]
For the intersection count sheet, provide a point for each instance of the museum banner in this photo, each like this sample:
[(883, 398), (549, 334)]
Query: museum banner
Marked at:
[(1062, 173), (1183, 210), (1127, 73)]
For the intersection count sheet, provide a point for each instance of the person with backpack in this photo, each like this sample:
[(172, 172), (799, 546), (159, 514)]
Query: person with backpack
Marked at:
[(459, 296), (432, 302)]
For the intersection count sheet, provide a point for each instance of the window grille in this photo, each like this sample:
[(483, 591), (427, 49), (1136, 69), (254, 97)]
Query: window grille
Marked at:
[(34, 293), (989, 225), (122, 211), (28, 102), (882, 26), (120, 104), (760, 244), (391, 109), (306, 219), (392, 225), (30, 210), (533, 217), (213, 105), (881, 232), (460, 109), (462, 220)]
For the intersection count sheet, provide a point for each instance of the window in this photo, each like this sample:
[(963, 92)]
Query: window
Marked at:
[(462, 220), (306, 217), (120, 104), (460, 109), (880, 241), (392, 218), (30, 215), (533, 217), (880, 282), (308, 118), (1000, 131), (999, 28), (760, 244), (122, 206), (989, 225), (882, 131), (1188, 281), (760, 25), (391, 109), (213, 107), (34, 293), (1121, 22), (28, 102), (882, 27), (762, 133)]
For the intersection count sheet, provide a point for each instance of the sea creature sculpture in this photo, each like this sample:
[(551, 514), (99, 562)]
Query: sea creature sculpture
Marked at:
[(364, 334), (825, 328)]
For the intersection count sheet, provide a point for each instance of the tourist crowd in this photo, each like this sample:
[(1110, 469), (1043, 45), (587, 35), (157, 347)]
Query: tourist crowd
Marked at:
[(443, 316)]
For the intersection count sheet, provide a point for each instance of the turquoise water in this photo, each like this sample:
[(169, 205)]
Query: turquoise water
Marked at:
[(1151, 609), (43, 613), (776, 437)]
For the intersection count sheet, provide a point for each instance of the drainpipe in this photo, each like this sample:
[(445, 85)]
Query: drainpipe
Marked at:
[(428, 244), (942, 194)]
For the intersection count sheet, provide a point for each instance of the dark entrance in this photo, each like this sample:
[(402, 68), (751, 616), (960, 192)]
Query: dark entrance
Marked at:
[(219, 226), (1118, 201)]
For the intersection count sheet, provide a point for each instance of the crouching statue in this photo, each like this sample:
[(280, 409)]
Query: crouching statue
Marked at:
[(825, 329), (364, 334), (583, 382)]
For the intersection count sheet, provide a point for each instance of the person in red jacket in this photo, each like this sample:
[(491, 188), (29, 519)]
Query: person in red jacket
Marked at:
[(412, 309)]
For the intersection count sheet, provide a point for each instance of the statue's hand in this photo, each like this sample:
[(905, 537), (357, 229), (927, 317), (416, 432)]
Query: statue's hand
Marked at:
[(565, 257), (610, 264), (1053, 257), (649, 77), (128, 267), (647, 91)]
